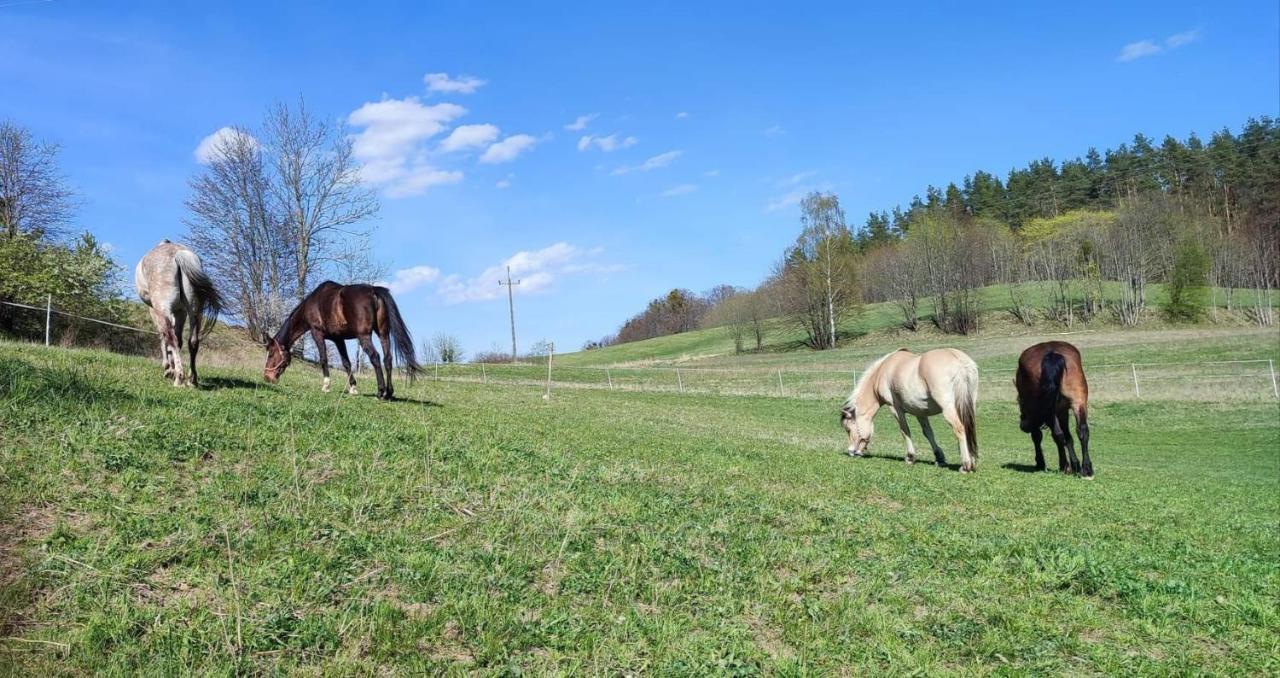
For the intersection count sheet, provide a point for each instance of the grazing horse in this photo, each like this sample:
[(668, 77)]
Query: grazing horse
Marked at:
[(1050, 384), (340, 312), (942, 381), (172, 283)]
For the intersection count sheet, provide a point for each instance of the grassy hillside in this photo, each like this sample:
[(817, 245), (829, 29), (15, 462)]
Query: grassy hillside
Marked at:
[(876, 324), (243, 528)]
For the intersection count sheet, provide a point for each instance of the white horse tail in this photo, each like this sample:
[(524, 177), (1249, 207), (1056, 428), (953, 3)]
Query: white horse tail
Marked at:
[(966, 402), (198, 289)]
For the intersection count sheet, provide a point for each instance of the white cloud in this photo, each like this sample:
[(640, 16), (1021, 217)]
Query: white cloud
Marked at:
[(681, 115), (207, 151), (796, 178), (1179, 39), (711, 173), (1137, 50), (468, 136), (508, 149), (504, 182), (441, 82), (409, 279), (390, 144), (682, 189), (656, 162), (792, 198), (606, 144), (537, 270), (1146, 48), (580, 123), (418, 178), (775, 130)]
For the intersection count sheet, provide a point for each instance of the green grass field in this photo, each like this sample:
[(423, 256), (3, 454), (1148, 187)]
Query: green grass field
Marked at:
[(243, 528)]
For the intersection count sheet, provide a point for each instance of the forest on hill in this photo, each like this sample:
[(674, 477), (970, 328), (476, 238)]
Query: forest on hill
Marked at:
[(1182, 212)]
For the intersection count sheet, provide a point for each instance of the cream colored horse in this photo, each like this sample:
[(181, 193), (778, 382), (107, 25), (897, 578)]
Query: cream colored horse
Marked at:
[(172, 283), (942, 381)]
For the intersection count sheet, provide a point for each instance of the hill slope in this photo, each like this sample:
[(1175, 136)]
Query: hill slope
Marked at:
[(243, 528)]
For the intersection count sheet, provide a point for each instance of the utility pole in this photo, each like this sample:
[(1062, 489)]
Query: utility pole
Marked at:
[(511, 307)]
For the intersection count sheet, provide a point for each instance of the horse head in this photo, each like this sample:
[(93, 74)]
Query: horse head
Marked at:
[(858, 428), (278, 358)]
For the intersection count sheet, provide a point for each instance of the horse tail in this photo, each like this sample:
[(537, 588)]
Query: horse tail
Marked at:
[(400, 337), (1052, 366), (198, 289), (967, 403)]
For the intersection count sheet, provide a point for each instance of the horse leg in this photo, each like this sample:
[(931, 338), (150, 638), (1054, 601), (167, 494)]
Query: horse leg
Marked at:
[(162, 328), (1037, 437), (967, 464), (366, 343), (341, 345), (1066, 453), (175, 340), (322, 352), (906, 432), (938, 456), (385, 337), (193, 346), (1082, 429)]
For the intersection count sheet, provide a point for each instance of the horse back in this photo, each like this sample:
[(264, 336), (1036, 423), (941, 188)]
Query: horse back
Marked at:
[(1073, 388)]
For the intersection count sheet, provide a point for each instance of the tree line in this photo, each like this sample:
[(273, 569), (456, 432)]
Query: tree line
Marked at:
[(43, 254), (1096, 230)]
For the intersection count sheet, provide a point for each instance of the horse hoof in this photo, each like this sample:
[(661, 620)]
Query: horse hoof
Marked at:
[(352, 390), (910, 460), (1088, 477), (325, 387)]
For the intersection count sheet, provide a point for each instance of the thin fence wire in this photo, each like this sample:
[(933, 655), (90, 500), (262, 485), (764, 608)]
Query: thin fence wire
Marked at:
[(1253, 378)]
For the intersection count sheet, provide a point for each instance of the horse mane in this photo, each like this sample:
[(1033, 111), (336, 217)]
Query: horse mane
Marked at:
[(867, 374), (284, 334)]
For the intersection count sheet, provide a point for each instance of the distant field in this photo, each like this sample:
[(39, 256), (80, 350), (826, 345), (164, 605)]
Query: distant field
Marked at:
[(880, 324), (252, 529)]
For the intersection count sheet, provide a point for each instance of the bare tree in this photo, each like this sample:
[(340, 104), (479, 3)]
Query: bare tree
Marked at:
[(316, 183), (235, 226), (35, 198), (444, 348)]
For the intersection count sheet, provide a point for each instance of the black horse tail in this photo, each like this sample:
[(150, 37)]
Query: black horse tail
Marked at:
[(198, 289), (400, 337), (1052, 366)]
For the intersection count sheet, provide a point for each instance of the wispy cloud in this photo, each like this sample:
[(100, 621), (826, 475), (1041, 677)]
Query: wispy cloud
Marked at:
[(682, 115), (409, 279), (504, 182), (606, 144), (508, 149), (792, 198), (1146, 48), (538, 271), (682, 189), (441, 82), (469, 136), (390, 144), (656, 162), (796, 178), (580, 123), (774, 131), (711, 173)]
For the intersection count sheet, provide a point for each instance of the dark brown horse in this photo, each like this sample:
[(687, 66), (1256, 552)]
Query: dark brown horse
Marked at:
[(340, 312), (1051, 383)]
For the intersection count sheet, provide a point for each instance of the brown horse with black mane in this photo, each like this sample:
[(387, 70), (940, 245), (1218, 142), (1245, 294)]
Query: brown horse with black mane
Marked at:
[(340, 312), (1051, 384)]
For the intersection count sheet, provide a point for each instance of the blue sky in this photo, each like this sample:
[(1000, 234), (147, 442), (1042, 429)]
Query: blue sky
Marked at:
[(704, 123)]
